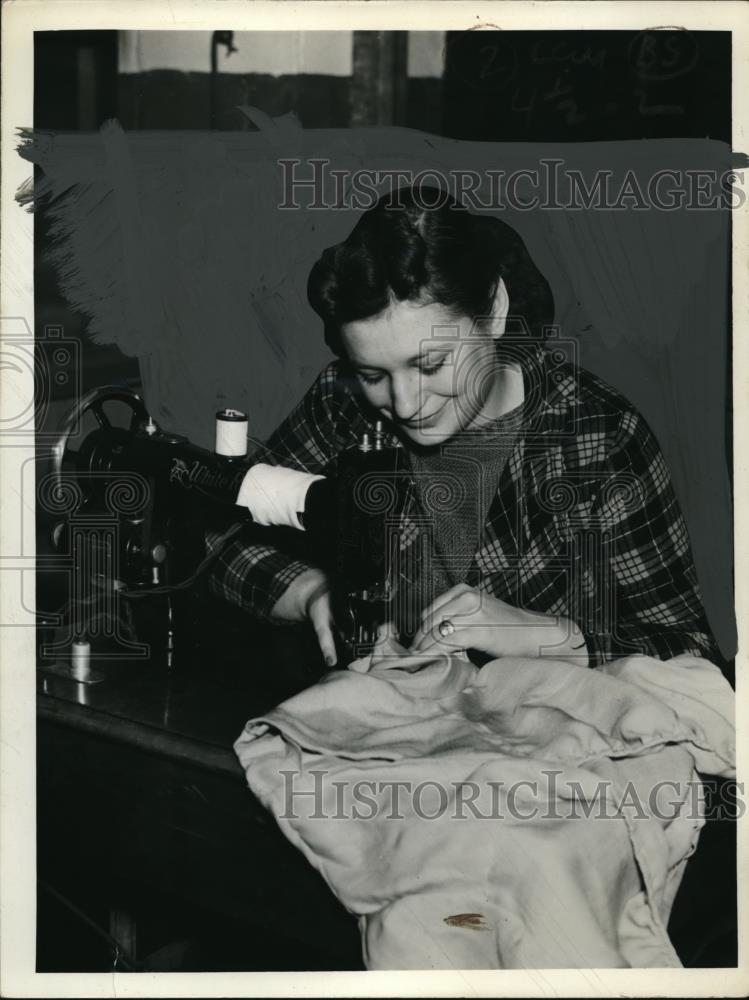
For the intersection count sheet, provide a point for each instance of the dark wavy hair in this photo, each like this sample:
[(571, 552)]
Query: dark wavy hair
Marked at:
[(400, 250)]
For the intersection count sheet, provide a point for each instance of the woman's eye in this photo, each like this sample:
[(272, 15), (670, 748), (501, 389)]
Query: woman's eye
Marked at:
[(370, 379), (432, 369)]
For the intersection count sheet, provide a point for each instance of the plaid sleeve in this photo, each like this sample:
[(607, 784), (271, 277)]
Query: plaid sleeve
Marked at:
[(650, 586), (253, 573), (256, 567)]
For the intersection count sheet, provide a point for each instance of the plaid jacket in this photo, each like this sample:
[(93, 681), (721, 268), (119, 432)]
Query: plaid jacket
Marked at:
[(584, 524)]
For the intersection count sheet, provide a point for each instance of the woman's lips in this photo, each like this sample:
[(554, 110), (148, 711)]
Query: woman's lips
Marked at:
[(422, 422)]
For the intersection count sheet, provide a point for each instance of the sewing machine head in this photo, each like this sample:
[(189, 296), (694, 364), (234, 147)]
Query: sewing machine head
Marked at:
[(157, 487), (160, 493), (369, 497)]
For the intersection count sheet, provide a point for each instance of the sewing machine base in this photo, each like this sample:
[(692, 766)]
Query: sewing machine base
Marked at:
[(62, 669)]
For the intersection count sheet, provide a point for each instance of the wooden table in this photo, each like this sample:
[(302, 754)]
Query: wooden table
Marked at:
[(139, 793)]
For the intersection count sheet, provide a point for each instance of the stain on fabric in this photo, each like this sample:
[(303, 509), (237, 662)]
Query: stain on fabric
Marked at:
[(471, 921)]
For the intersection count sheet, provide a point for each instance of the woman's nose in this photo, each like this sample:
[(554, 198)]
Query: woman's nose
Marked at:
[(404, 397)]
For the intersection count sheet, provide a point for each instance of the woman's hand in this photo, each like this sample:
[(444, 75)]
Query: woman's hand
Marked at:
[(466, 618), (307, 598)]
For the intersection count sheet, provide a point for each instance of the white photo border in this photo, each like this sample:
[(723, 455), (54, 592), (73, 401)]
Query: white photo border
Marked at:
[(21, 18)]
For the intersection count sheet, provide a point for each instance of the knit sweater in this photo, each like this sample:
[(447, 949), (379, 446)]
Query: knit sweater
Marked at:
[(454, 486)]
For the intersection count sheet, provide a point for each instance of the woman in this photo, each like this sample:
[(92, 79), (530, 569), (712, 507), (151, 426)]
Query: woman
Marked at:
[(563, 536)]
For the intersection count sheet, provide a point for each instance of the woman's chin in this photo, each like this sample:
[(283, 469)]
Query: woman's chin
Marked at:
[(428, 437)]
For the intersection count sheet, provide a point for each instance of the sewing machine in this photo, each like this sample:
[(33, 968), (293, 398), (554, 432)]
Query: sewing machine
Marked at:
[(137, 504)]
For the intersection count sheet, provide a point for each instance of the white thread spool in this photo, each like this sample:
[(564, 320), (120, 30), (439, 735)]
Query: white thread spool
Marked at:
[(80, 661), (231, 433)]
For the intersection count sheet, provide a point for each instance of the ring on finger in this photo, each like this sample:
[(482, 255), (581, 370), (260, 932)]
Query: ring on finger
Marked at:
[(445, 628)]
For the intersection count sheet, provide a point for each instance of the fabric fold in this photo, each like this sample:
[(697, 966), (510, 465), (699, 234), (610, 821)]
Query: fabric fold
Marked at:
[(529, 814)]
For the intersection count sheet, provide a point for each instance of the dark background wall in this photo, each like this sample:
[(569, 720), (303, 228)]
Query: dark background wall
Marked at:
[(525, 86), (585, 86), (552, 86)]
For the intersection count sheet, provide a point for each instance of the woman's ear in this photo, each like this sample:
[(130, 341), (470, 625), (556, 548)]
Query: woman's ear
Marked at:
[(500, 309)]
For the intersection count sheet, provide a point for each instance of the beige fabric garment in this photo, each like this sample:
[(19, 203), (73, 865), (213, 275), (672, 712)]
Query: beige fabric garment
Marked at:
[(519, 877)]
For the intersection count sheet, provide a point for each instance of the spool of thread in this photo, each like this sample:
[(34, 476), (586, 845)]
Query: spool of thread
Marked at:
[(80, 661), (231, 433)]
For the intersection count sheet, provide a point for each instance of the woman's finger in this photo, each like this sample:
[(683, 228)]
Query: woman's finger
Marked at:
[(448, 595), (321, 616), (433, 642), (460, 606), (427, 628), (429, 632)]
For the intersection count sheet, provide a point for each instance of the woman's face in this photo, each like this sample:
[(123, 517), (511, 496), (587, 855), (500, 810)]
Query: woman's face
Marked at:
[(428, 373)]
